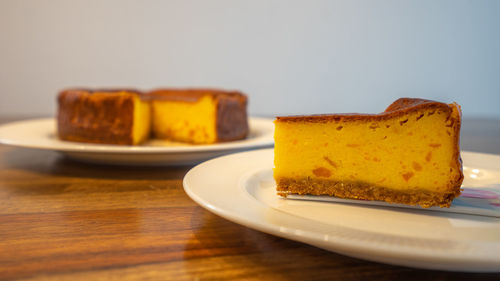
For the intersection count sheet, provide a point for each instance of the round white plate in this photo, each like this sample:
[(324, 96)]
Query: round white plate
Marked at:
[(41, 134), (240, 188)]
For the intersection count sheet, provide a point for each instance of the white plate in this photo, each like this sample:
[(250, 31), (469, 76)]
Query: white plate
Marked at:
[(427, 239), (41, 134)]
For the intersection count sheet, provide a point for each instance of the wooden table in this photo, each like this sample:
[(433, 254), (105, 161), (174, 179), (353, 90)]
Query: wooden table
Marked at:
[(65, 220)]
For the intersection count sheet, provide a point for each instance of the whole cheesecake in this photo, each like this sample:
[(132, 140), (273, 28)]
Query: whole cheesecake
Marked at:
[(407, 154), (117, 116), (199, 116)]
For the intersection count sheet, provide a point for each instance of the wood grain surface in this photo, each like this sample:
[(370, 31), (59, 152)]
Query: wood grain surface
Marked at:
[(64, 220)]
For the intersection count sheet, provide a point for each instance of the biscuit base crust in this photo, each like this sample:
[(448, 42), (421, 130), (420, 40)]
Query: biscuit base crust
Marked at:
[(365, 191)]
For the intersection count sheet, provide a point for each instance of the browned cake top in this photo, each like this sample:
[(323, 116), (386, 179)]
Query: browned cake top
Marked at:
[(193, 95), (74, 94), (100, 90), (400, 107)]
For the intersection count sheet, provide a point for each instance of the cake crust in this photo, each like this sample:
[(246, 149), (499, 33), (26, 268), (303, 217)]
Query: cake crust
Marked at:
[(400, 107), (364, 191), (193, 95)]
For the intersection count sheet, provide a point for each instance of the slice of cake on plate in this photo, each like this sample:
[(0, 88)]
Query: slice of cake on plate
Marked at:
[(407, 154), (199, 116), (115, 116)]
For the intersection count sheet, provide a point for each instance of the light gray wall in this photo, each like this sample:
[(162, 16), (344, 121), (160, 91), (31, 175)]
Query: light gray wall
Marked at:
[(290, 57)]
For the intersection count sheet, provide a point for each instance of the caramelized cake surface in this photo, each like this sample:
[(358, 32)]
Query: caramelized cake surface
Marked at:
[(103, 116), (199, 116), (408, 154)]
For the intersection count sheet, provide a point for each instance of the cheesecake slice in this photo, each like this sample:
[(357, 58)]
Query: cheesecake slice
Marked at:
[(408, 154), (103, 116), (199, 116)]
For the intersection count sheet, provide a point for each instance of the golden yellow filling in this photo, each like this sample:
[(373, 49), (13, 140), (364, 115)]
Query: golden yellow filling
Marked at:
[(184, 121), (142, 120), (414, 151)]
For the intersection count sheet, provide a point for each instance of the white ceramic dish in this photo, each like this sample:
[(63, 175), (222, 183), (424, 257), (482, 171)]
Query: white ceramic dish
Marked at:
[(416, 238), (41, 134)]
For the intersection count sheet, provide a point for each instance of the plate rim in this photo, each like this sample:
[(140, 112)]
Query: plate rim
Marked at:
[(421, 259), (263, 124)]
